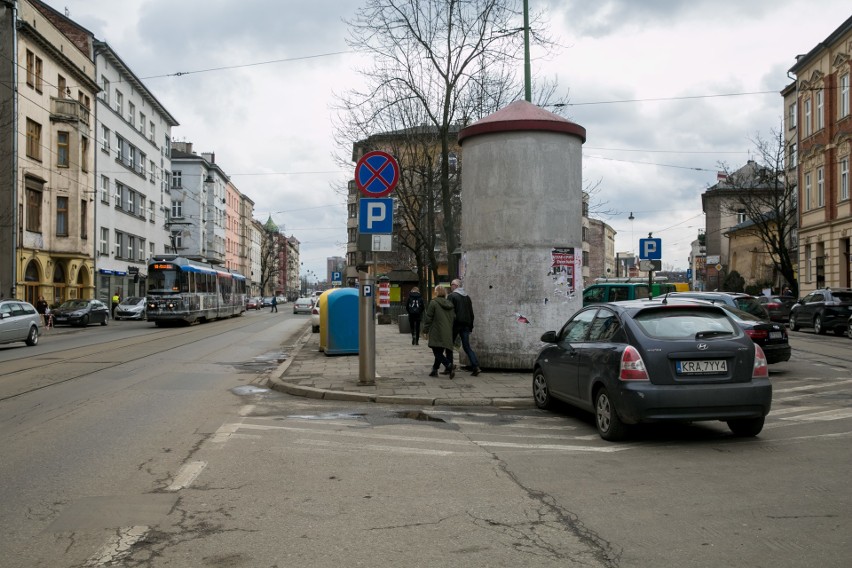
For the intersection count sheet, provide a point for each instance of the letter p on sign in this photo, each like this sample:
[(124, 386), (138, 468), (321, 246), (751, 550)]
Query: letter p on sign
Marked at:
[(376, 216), (650, 249)]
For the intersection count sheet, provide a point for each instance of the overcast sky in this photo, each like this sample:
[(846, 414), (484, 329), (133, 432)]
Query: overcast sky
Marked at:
[(258, 77)]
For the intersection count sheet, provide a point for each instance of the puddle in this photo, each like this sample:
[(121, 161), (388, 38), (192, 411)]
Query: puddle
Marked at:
[(330, 416), (418, 415), (248, 389)]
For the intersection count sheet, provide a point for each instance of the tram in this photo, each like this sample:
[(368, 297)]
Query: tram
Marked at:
[(190, 291)]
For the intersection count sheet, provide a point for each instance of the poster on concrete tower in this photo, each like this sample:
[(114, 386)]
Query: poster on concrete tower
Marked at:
[(564, 265)]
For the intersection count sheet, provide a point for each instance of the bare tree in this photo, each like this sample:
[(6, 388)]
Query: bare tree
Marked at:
[(437, 65), (765, 193)]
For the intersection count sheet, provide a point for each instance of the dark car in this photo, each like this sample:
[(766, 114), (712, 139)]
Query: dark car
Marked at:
[(253, 303), (827, 309), (19, 321), (81, 312), (778, 307), (745, 302), (652, 360), (771, 336), (266, 302)]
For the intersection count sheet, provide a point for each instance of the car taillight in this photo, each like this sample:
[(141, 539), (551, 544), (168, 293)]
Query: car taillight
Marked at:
[(757, 333), (632, 366), (315, 311), (761, 367), (772, 306)]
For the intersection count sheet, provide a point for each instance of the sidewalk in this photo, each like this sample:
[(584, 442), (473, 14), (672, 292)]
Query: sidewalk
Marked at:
[(401, 376)]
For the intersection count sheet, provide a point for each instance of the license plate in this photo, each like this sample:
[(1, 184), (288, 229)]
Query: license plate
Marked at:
[(775, 335), (60, 318), (714, 367)]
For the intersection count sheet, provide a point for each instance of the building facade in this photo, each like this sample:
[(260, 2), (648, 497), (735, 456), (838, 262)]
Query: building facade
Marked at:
[(46, 247), (818, 122), (133, 168)]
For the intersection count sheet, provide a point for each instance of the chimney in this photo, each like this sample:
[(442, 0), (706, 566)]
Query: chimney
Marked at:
[(185, 147), (209, 156)]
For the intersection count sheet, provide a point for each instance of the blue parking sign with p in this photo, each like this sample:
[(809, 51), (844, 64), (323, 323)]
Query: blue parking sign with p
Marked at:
[(376, 216), (650, 249)]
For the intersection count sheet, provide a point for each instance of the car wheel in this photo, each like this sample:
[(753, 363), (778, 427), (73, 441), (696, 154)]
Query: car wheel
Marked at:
[(106, 320), (541, 392), (849, 329), (610, 427), (32, 336), (746, 427), (794, 324), (818, 327), (85, 321)]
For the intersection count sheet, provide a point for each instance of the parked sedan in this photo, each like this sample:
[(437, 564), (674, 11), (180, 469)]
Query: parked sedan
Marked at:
[(81, 312), (19, 321), (745, 302), (131, 308), (315, 318), (827, 309), (778, 307), (652, 360), (771, 336), (303, 306)]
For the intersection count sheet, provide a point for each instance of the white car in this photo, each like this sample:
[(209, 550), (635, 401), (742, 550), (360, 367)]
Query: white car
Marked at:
[(315, 318), (303, 306), (131, 308)]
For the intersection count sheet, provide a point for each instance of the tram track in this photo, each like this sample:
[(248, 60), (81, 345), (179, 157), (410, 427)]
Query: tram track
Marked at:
[(34, 374)]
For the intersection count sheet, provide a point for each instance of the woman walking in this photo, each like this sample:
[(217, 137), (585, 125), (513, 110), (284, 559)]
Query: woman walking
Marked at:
[(438, 328)]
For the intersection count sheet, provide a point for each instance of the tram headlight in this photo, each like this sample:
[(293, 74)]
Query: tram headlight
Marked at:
[(170, 305)]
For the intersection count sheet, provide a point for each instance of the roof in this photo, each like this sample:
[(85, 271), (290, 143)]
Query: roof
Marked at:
[(522, 116)]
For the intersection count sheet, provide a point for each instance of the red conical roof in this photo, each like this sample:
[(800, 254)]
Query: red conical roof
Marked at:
[(522, 115)]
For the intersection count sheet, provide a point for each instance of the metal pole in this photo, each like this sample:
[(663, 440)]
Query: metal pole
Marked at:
[(527, 74), (366, 330)]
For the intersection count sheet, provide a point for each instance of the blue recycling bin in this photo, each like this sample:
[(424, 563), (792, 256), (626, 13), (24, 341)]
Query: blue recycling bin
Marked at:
[(341, 319)]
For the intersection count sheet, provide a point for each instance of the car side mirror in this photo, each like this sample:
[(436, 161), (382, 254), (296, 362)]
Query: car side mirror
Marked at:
[(549, 337)]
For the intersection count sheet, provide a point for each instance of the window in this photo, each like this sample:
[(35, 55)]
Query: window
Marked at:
[(142, 121), (131, 202), (131, 247), (176, 180), (844, 179), (30, 68), (33, 210), (105, 189), (105, 91), (791, 116), (33, 139), (119, 103), (152, 171), (105, 136), (151, 207), (104, 246), (84, 213), (793, 155), (807, 117), (62, 138), (820, 187), (131, 114), (150, 250), (140, 255), (820, 115), (741, 216), (61, 216), (177, 209), (61, 87), (119, 192), (84, 153), (119, 243), (808, 191), (843, 102), (151, 131), (177, 240)]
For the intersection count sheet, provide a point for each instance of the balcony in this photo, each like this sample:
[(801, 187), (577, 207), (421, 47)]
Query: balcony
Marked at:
[(68, 110)]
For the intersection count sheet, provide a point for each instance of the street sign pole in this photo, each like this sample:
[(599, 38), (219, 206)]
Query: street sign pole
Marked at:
[(366, 329), (650, 276)]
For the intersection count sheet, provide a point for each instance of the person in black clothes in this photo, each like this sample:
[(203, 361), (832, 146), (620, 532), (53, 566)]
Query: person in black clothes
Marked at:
[(463, 322), (414, 307)]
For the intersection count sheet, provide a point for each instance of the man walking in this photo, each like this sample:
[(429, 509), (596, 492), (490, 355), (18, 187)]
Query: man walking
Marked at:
[(414, 307), (463, 322), (274, 305)]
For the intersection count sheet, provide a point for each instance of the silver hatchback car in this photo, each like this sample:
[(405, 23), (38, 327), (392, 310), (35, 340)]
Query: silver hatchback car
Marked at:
[(19, 321)]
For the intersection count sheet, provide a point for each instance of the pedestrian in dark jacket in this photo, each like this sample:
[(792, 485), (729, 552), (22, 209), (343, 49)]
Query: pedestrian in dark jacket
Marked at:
[(415, 306), (438, 328), (463, 323)]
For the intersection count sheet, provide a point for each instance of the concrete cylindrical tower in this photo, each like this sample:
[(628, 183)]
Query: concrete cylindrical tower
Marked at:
[(522, 241)]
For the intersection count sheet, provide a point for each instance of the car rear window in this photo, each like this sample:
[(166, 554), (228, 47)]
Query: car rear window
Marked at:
[(685, 323), (843, 296)]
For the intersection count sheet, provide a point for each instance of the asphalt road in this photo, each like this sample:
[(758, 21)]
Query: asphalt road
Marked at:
[(129, 445)]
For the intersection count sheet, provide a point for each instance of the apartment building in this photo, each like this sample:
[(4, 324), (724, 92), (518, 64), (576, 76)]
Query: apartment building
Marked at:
[(48, 168), (198, 204), (818, 125), (133, 169)]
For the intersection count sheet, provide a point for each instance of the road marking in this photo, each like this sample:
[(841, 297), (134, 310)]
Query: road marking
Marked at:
[(247, 409), (558, 447), (837, 414), (186, 475), (375, 447), (818, 385), (792, 410), (118, 546)]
